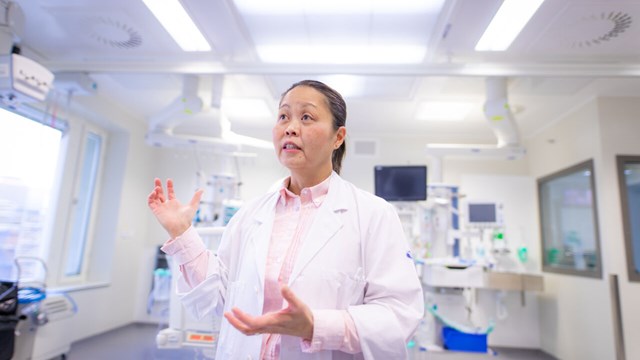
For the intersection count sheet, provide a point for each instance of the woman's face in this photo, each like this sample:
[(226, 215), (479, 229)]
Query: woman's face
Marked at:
[(303, 135)]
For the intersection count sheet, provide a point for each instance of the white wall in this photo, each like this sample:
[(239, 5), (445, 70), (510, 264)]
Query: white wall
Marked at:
[(411, 151), (619, 120), (575, 311)]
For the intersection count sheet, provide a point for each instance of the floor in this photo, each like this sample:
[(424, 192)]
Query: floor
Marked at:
[(137, 342)]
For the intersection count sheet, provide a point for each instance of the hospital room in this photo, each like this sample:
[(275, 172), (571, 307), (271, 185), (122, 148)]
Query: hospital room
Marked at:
[(319, 179)]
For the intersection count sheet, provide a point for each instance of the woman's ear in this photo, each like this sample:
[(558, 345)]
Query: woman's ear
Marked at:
[(341, 133)]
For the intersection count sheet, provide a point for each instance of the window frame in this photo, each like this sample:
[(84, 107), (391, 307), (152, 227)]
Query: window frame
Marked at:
[(621, 161), (582, 166), (83, 276)]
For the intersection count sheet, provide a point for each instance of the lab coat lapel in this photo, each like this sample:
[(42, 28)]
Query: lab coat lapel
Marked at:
[(262, 235), (325, 225)]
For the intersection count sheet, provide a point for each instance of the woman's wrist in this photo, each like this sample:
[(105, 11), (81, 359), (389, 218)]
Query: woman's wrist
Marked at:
[(308, 333), (178, 230)]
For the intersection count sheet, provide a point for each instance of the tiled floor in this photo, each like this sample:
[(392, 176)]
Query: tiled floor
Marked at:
[(137, 342)]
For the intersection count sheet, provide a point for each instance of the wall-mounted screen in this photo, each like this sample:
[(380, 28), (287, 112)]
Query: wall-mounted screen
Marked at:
[(401, 183)]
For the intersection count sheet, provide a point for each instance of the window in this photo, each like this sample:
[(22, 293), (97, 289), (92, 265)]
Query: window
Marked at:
[(80, 225), (28, 164), (629, 179), (569, 224)]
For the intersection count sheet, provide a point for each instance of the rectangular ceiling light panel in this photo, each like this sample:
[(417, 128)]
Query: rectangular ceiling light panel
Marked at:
[(246, 108), (179, 25), (506, 24), (443, 111), (340, 32), (282, 7)]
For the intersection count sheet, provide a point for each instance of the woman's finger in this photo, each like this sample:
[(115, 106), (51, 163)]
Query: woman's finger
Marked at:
[(170, 193), (195, 200), (158, 190), (241, 326), (290, 297), (250, 321)]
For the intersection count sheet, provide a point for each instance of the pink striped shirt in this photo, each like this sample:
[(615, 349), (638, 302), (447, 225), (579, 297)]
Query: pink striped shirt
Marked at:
[(293, 218)]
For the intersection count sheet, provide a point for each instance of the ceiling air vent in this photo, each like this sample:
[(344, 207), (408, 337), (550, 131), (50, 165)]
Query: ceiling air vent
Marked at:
[(114, 33), (619, 23)]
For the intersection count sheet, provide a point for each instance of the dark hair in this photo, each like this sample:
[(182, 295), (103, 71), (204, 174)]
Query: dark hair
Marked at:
[(338, 109)]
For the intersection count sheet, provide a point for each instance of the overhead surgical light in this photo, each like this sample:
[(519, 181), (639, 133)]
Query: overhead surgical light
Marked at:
[(342, 54), (179, 25), (506, 24)]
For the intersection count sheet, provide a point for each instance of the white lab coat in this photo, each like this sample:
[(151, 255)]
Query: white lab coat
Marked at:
[(355, 257)]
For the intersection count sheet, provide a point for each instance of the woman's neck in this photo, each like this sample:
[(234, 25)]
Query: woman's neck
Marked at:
[(297, 182)]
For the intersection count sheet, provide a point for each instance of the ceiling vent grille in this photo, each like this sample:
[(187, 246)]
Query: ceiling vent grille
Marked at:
[(114, 33), (620, 23)]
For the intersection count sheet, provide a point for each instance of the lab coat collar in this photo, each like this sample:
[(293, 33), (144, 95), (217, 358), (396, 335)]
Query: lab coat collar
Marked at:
[(317, 192)]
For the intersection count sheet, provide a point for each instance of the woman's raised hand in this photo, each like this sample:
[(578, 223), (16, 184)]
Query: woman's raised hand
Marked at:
[(171, 214)]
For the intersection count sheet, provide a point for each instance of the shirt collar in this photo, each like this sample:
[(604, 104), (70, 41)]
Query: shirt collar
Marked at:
[(316, 193)]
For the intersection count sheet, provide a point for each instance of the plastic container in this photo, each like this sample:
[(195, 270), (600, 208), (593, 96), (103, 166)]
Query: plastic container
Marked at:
[(453, 339)]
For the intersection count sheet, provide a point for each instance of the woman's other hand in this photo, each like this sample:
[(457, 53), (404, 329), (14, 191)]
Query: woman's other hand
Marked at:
[(171, 214), (295, 320)]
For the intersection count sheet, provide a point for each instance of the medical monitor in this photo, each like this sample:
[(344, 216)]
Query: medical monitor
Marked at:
[(401, 183), (484, 213)]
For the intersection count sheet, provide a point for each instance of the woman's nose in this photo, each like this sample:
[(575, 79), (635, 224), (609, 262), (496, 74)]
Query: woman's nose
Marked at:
[(292, 128)]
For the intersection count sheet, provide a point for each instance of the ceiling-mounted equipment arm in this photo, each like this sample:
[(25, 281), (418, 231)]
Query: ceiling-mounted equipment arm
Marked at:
[(498, 112), (188, 103)]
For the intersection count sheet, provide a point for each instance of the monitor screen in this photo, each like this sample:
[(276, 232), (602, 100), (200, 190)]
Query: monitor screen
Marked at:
[(401, 183), (482, 213)]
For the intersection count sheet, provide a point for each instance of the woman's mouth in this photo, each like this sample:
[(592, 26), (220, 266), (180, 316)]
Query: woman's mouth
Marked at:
[(290, 146)]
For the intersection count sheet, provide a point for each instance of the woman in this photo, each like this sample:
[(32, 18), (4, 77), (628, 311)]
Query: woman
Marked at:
[(318, 269)]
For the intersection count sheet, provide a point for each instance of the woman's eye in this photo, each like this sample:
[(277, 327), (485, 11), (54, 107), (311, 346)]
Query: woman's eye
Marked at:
[(282, 117), (306, 117)]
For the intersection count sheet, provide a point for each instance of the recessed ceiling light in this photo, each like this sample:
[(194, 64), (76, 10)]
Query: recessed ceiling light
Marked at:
[(443, 110), (178, 24), (342, 54), (245, 108), (506, 24), (346, 85)]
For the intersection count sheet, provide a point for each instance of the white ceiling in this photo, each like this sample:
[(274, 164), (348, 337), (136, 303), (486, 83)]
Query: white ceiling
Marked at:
[(570, 51)]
